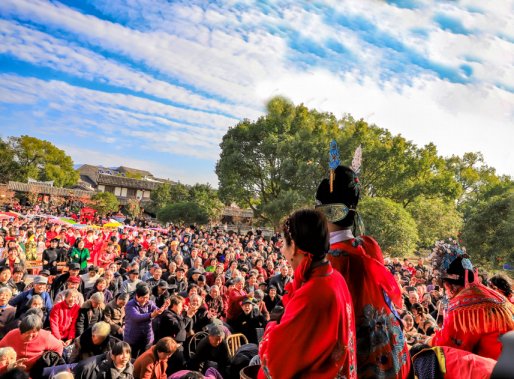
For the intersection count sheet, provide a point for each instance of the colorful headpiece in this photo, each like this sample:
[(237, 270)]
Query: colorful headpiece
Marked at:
[(451, 260)]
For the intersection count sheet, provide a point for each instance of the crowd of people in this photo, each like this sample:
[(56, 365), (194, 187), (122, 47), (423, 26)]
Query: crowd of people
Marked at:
[(314, 301)]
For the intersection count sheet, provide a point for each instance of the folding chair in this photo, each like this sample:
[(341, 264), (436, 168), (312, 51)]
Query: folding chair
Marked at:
[(193, 342)]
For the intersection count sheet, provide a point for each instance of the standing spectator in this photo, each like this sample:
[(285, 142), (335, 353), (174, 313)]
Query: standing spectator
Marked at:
[(51, 256), (63, 317), (115, 365), (91, 312), (139, 313), (153, 363), (30, 341), (80, 255)]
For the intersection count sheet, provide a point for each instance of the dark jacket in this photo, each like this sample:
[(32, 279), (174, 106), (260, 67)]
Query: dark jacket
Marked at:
[(170, 324), (59, 284), (279, 282), (101, 367), (88, 316), (248, 323), (114, 316), (205, 352), (84, 347)]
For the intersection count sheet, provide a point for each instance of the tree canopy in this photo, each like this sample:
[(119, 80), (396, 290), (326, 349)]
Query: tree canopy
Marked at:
[(390, 224), (187, 212), (104, 203), (29, 157)]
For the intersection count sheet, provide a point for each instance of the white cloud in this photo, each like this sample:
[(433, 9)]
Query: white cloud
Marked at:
[(456, 118)]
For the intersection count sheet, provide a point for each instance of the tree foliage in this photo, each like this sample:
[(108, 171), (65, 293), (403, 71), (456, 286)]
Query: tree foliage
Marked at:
[(395, 168), (273, 165), (207, 198), (31, 157), (390, 224), (184, 212), (436, 219), (104, 203), (489, 231)]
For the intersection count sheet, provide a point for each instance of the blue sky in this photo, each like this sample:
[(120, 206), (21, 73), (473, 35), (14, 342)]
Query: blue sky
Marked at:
[(155, 84)]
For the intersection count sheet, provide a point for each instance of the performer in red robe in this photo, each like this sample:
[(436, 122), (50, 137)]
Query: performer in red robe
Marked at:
[(382, 350), (315, 337), (477, 315)]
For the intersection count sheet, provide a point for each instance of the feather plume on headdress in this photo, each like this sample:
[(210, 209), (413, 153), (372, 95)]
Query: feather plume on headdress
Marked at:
[(333, 162), (357, 160)]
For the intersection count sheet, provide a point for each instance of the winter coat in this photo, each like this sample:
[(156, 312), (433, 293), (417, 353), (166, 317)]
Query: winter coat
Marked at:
[(21, 302), (80, 257), (88, 316), (114, 315), (101, 367), (33, 349), (148, 366), (63, 320), (170, 324), (83, 346), (138, 322)]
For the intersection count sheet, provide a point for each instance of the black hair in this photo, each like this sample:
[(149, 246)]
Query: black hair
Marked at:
[(308, 229), (142, 290), (120, 348), (502, 283)]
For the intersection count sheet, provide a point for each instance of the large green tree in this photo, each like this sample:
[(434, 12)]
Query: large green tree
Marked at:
[(274, 164), (104, 202), (38, 159), (183, 213), (436, 219), (395, 168), (390, 224), (488, 234), (9, 167), (207, 198)]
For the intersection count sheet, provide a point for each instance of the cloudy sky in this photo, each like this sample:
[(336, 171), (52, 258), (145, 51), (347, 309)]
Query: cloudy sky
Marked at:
[(154, 84)]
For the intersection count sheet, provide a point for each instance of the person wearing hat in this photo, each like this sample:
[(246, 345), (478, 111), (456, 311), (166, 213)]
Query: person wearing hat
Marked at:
[(60, 281), (212, 351), (249, 320), (374, 291), (318, 315), (73, 282), (477, 315), (22, 300)]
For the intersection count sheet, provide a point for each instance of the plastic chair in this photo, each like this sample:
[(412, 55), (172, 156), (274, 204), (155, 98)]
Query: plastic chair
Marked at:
[(234, 342)]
